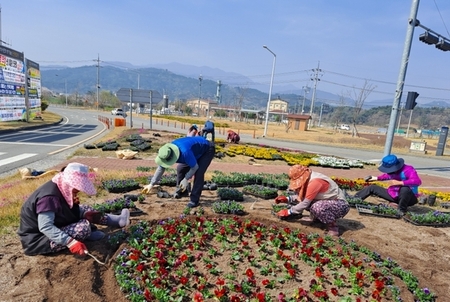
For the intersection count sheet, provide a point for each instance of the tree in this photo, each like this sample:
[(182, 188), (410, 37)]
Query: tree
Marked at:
[(359, 96)]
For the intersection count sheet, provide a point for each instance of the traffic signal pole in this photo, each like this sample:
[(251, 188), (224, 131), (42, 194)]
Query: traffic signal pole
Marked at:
[(401, 77)]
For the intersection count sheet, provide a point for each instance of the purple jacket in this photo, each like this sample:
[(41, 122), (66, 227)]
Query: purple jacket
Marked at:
[(408, 175)]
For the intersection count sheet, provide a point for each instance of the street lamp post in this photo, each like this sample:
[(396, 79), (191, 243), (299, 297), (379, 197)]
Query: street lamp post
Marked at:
[(270, 89), (200, 78), (305, 91)]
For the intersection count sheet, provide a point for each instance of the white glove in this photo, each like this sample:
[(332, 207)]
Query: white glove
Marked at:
[(147, 189), (184, 184)]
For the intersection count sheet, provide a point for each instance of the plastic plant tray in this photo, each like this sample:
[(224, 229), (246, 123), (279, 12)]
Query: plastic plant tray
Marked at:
[(368, 210), (435, 225)]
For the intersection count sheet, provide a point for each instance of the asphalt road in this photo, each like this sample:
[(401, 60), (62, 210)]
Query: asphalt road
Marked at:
[(34, 147)]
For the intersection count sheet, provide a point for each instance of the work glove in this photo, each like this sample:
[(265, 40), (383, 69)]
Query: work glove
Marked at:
[(183, 184), (281, 199), (370, 178), (284, 213), (147, 189), (93, 216), (77, 247)]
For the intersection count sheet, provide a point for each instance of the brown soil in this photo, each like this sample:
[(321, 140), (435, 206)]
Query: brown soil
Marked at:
[(64, 277)]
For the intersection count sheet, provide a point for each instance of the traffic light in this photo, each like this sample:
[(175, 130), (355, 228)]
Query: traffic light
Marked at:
[(443, 45), (411, 100), (428, 38)]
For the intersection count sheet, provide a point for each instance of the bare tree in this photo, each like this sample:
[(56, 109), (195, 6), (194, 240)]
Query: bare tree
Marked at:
[(359, 96), (339, 111)]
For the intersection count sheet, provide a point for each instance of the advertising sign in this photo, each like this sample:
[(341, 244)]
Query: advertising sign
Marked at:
[(14, 81)]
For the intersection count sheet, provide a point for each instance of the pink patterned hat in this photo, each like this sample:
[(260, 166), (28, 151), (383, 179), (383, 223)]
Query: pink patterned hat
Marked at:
[(74, 176)]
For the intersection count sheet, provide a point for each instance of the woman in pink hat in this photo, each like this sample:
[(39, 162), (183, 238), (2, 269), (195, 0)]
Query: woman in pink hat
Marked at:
[(52, 219), (316, 193)]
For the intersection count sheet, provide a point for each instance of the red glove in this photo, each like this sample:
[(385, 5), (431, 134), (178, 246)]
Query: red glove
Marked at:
[(284, 213), (77, 247), (93, 216), (281, 199)]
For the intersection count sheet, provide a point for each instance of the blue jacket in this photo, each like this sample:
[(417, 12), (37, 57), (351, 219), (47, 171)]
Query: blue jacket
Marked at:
[(191, 149)]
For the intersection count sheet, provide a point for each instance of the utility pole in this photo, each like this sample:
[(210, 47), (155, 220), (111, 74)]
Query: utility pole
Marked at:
[(315, 79), (98, 78), (305, 91), (200, 78), (401, 76)]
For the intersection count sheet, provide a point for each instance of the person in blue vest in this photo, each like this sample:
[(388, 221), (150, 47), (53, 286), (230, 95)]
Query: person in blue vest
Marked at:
[(52, 219), (208, 128), (193, 155), (403, 182)]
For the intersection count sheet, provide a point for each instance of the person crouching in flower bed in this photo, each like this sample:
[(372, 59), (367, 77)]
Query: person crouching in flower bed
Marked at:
[(317, 193), (52, 219)]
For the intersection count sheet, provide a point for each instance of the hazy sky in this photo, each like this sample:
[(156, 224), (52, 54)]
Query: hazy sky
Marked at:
[(352, 39)]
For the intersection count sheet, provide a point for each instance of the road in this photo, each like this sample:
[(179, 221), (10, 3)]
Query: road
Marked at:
[(25, 148)]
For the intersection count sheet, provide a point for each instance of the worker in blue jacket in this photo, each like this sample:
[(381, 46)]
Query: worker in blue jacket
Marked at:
[(208, 128), (193, 155)]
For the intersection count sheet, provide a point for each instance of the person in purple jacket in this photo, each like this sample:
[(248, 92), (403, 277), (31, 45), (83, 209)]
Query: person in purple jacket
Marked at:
[(403, 187)]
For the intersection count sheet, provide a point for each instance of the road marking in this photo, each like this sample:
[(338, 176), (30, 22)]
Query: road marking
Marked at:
[(16, 158), (34, 144)]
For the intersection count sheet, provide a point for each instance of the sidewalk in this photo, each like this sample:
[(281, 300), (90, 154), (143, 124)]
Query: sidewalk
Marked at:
[(432, 183)]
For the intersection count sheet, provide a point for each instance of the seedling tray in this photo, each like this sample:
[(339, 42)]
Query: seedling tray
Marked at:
[(263, 196), (435, 225), (367, 210)]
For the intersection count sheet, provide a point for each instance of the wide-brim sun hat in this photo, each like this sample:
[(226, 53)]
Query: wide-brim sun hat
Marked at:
[(77, 175), (167, 155), (298, 176), (390, 164)]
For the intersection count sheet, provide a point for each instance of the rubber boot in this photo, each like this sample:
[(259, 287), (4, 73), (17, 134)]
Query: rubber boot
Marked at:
[(333, 229), (95, 234), (119, 221)]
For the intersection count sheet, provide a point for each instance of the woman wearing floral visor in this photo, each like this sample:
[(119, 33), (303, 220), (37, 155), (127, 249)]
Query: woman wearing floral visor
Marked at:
[(52, 219), (316, 193)]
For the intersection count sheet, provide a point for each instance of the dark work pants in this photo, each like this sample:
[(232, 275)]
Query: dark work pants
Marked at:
[(405, 199), (199, 177), (206, 131)]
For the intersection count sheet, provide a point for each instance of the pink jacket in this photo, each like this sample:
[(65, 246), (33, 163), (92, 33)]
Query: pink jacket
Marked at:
[(408, 175)]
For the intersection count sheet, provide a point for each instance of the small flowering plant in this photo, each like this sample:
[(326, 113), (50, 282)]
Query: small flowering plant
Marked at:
[(434, 218), (261, 191), (226, 193), (114, 205), (120, 185), (193, 258)]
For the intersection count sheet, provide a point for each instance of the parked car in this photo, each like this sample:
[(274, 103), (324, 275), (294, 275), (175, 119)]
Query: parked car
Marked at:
[(118, 111), (344, 127)]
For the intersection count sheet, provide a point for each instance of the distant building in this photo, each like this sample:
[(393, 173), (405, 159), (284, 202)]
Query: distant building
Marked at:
[(278, 105), (205, 106)]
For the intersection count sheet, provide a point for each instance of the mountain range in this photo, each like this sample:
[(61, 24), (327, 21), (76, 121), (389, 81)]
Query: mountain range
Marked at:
[(182, 82)]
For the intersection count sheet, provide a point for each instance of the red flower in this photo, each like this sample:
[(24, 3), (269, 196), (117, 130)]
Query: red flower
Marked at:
[(220, 281), (140, 267), (265, 282), (220, 292), (184, 280), (379, 285), (319, 272), (291, 272), (249, 273), (376, 295), (198, 297), (301, 293), (261, 297), (235, 299), (334, 291), (345, 262), (183, 257), (245, 243)]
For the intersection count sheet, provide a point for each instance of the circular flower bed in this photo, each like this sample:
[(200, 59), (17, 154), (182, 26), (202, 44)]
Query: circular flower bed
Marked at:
[(232, 259)]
